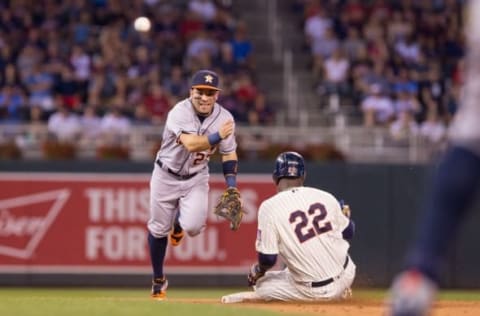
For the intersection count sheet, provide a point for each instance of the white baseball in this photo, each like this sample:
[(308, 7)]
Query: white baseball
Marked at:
[(142, 24)]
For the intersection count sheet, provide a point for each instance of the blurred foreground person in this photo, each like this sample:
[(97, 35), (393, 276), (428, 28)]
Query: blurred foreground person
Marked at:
[(453, 188)]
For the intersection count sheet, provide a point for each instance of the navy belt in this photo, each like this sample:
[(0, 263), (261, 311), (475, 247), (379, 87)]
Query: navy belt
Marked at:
[(179, 176), (329, 280)]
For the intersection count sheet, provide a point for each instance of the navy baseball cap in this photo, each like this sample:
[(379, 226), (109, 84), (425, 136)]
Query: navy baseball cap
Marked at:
[(205, 79)]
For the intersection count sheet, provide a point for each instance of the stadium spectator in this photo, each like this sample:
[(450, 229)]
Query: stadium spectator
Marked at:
[(140, 66), (12, 102), (229, 101), (33, 135), (353, 44), (141, 116), (335, 75), (63, 125), (242, 47), (81, 63), (226, 62), (244, 89), (407, 47), (316, 26), (205, 9), (398, 26), (260, 114), (67, 87), (373, 29), (325, 47), (39, 84), (433, 128), (381, 9), (406, 101), (115, 127), (90, 123), (175, 84), (377, 108), (403, 127), (190, 25), (201, 44), (157, 103), (356, 12), (28, 57)]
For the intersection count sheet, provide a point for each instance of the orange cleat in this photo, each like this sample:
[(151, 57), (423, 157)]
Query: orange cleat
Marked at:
[(176, 238), (159, 289)]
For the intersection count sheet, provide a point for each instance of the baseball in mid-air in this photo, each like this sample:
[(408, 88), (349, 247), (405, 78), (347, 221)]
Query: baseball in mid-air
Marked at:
[(142, 24)]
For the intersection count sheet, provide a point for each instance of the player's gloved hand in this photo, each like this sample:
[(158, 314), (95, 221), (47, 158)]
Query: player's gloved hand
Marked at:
[(230, 207), (255, 273)]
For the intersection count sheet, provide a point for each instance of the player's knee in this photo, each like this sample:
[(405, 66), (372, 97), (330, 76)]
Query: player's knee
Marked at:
[(193, 230), (193, 233)]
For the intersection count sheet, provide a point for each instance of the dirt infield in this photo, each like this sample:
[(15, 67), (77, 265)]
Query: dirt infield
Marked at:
[(357, 307)]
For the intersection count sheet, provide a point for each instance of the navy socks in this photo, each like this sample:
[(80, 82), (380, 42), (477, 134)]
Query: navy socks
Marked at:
[(158, 247)]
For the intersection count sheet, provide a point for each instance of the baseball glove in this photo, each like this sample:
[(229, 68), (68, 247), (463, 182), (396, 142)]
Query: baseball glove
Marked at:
[(230, 207)]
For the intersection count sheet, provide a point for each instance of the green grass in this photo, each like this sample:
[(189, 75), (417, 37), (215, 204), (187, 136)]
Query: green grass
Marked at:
[(457, 295), (136, 302), (100, 302), (448, 295)]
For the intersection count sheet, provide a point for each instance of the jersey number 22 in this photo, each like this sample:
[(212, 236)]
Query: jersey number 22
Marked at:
[(310, 223)]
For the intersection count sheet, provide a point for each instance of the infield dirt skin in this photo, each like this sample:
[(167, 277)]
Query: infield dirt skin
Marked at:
[(357, 307)]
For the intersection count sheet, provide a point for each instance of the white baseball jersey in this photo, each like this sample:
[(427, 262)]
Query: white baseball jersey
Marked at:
[(304, 226)]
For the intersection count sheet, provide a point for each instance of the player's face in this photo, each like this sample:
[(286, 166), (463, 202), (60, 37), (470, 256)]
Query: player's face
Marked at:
[(203, 99)]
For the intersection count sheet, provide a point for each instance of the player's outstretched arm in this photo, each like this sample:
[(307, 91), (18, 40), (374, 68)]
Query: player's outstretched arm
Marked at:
[(195, 143)]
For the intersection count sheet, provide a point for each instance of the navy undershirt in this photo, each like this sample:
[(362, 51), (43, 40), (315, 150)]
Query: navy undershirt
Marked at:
[(201, 118)]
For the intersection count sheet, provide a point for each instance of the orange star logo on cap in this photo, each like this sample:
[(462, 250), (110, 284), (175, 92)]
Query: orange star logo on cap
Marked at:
[(208, 79)]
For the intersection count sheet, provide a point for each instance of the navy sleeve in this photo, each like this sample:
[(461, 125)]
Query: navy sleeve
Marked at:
[(349, 231), (266, 261)]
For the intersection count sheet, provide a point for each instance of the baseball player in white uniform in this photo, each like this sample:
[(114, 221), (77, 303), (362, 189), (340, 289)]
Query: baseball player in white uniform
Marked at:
[(195, 128), (307, 228)]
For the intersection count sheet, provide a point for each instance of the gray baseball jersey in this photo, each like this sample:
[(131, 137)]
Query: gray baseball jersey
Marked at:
[(169, 192), (183, 119), (304, 226)]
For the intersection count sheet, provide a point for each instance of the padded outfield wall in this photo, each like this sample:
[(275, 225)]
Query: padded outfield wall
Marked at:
[(82, 223)]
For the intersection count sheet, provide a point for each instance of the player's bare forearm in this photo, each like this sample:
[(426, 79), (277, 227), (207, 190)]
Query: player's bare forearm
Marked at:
[(230, 156), (195, 143)]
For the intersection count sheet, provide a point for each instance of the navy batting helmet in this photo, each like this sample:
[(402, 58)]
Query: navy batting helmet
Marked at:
[(289, 164)]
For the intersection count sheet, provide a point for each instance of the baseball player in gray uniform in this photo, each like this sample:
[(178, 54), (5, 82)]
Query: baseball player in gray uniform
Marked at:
[(307, 228), (195, 128)]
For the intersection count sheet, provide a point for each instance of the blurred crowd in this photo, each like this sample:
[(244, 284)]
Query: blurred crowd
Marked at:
[(399, 62), (81, 68)]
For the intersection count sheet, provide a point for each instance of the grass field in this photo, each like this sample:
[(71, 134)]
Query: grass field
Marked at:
[(96, 302)]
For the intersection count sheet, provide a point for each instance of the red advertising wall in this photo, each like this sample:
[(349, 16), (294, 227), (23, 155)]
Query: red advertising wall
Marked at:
[(77, 222)]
